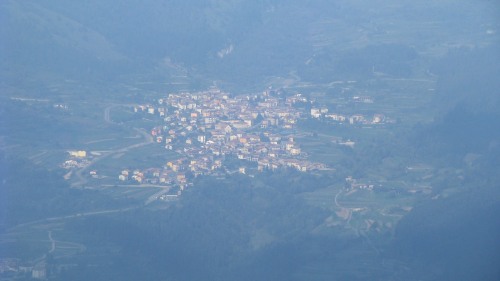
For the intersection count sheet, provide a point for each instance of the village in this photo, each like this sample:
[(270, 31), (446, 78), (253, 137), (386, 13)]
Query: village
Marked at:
[(207, 128)]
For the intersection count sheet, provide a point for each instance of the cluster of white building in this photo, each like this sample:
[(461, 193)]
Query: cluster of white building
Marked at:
[(205, 127), (322, 113)]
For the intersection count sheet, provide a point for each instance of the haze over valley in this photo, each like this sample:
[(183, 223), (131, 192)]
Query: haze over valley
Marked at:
[(249, 140)]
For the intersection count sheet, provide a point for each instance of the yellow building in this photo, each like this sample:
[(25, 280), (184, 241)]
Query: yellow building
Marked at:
[(78, 153)]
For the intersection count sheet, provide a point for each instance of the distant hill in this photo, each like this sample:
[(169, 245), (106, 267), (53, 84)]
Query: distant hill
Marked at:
[(454, 238), (241, 44)]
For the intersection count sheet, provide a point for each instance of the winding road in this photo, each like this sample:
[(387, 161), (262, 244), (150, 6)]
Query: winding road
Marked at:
[(148, 139), (72, 216), (348, 221), (52, 241)]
